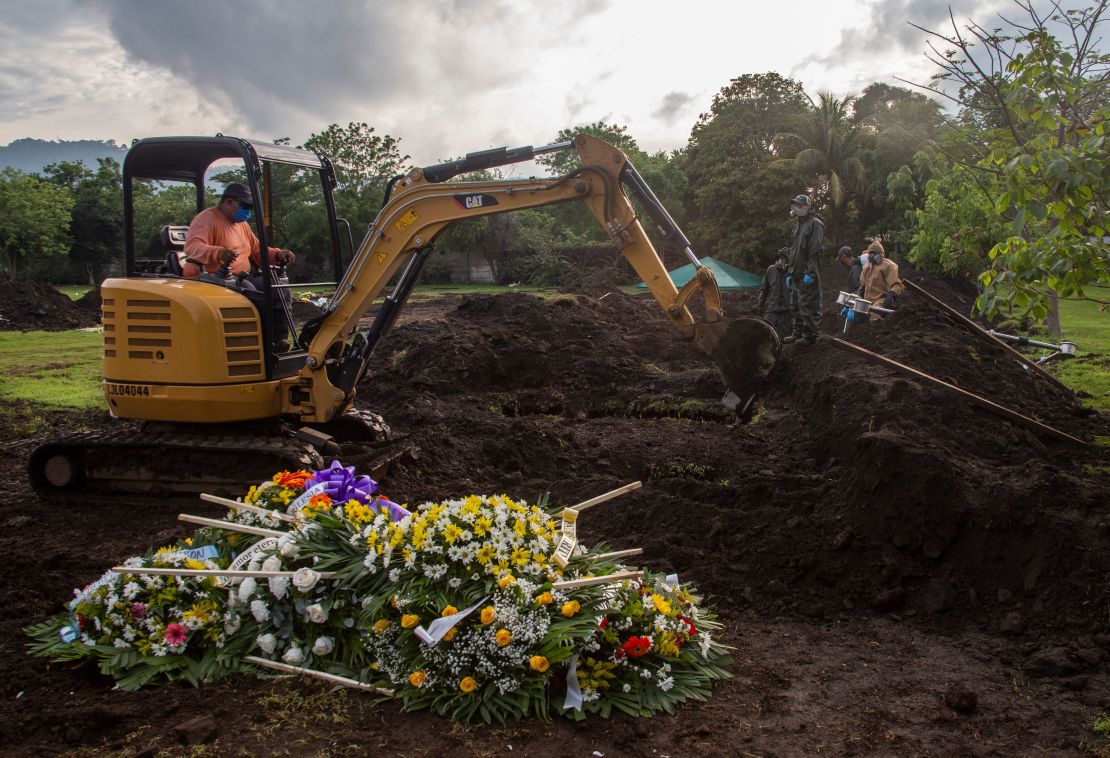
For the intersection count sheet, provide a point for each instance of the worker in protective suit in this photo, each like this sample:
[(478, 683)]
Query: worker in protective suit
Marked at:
[(879, 279), (804, 272), (774, 295)]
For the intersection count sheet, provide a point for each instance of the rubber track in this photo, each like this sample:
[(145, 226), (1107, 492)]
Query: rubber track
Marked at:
[(161, 462)]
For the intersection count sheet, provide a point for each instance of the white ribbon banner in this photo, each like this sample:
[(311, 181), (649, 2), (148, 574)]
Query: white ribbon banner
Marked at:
[(441, 626)]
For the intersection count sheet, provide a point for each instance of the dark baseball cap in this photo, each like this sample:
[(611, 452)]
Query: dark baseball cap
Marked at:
[(239, 192)]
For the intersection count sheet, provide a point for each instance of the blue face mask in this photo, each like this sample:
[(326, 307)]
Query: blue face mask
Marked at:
[(243, 214)]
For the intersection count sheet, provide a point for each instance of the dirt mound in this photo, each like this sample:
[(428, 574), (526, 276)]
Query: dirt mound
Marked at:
[(27, 305), (855, 486)]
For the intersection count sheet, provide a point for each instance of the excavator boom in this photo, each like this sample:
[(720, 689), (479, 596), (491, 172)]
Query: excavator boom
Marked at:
[(424, 204)]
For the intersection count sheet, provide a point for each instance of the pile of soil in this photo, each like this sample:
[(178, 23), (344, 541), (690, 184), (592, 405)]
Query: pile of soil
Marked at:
[(27, 305), (901, 571)]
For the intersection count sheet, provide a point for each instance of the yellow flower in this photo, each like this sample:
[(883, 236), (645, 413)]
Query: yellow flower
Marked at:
[(571, 608), (538, 663), (482, 526), (417, 678), (506, 580), (381, 625), (195, 565), (393, 600), (450, 635), (468, 684), (484, 554), (451, 533), (357, 513), (503, 637), (545, 599), (410, 620), (488, 614), (661, 605), (449, 611), (375, 666), (520, 556)]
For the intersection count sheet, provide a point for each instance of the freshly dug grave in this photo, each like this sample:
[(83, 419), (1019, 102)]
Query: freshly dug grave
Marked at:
[(903, 573), (27, 305)]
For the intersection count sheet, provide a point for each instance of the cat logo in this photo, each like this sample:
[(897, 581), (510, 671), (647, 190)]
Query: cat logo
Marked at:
[(475, 201)]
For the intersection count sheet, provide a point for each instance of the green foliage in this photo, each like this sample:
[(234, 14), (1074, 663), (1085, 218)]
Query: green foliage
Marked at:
[(96, 220), (34, 218), (737, 199)]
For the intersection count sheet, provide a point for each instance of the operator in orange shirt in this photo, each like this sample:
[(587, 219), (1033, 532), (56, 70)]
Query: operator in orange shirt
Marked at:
[(221, 235)]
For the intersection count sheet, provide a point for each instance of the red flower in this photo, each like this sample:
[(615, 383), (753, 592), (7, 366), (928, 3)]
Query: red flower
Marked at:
[(690, 628), (637, 646), (175, 634), (603, 623)]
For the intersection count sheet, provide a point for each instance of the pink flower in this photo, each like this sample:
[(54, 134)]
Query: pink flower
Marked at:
[(175, 635), (138, 610)]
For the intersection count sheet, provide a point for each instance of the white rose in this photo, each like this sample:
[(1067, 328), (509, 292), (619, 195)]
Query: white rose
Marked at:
[(323, 646), (247, 588), (279, 585), (316, 613), (294, 656), (267, 642), (287, 547), (260, 611), (304, 579), (273, 563), (232, 625)]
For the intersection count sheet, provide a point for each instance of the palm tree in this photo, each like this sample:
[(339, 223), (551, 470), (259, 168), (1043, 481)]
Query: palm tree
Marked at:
[(827, 150)]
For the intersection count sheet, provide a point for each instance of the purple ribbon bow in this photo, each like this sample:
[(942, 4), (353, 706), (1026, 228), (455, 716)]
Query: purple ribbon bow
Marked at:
[(396, 512), (341, 484)]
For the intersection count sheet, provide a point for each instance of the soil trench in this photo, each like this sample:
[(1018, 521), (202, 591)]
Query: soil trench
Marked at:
[(901, 571)]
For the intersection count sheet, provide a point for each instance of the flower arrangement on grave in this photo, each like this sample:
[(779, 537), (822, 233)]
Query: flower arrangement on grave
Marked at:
[(480, 607)]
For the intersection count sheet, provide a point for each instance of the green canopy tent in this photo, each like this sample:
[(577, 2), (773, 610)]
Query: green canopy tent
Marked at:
[(728, 277)]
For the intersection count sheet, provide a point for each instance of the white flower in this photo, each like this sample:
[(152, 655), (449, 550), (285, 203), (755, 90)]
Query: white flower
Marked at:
[(394, 575), (279, 585), (233, 624), (323, 646), (287, 546), (294, 656), (267, 642), (316, 613), (260, 610), (626, 687), (273, 563), (304, 579), (247, 588)]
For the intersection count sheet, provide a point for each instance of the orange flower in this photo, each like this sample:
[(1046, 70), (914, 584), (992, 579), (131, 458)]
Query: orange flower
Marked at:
[(504, 637), (450, 634), (468, 684), (417, 678), (539, 663), (488, 614), (544, 599), (409, 620), (293, 479), (571, 608), (506, 580), (449, 611)]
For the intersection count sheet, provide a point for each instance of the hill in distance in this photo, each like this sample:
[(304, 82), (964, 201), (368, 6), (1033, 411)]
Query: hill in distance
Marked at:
[(32, 155)]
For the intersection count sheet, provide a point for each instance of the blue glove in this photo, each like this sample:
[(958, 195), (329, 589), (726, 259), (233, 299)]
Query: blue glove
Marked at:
[(807, 279), (789, 282), (844, 312), (851, 315)]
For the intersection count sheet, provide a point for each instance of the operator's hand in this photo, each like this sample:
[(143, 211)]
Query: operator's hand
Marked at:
[(888, 301), (789, 282), (285, 256), (226, 256), (807, 279)]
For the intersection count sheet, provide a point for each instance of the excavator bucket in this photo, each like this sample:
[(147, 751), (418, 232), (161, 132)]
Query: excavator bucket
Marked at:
[(744, 349)]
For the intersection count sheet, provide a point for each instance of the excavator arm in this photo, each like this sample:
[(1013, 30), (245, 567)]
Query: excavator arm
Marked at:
[(423, 205)]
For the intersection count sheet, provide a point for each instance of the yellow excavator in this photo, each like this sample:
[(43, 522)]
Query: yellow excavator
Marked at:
[(225, 401)]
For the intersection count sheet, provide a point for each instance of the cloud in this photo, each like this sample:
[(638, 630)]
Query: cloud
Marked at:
[(672, 106)]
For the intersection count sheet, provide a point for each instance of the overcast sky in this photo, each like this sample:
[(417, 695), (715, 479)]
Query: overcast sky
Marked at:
[(445, 76)]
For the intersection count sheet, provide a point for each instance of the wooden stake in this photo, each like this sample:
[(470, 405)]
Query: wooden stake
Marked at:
[(230, 526), (978, 399), (607, 496), (242, 573), (618, 554), (965, 321), (235, 505), (607, 579), (345, 681)]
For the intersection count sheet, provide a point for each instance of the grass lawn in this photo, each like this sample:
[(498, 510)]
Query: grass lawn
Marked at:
[(74, 291), (56, 370), (1089, 328)]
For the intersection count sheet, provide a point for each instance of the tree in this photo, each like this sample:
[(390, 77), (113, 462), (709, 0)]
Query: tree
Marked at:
[(1042, 108), (34, 218), (737, 199), (96, 221), (827, 151)]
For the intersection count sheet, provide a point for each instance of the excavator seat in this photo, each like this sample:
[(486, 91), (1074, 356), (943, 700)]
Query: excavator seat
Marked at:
[(173, 242)]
